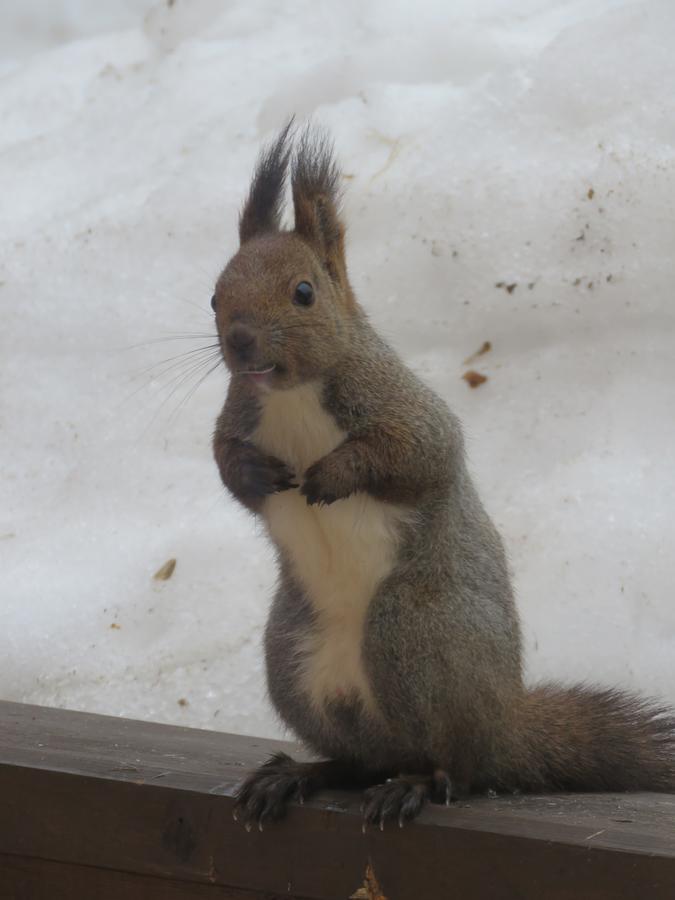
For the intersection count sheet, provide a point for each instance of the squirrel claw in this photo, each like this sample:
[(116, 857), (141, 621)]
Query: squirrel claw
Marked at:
[(314, 498), (284, 485), (401, 799), (441, 787), (321, 486)]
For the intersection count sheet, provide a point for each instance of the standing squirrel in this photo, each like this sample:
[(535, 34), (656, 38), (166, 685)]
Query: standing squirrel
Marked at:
[(393, 644)]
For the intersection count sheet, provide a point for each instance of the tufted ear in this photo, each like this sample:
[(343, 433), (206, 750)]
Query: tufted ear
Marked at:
[(262, 211), (316, 199)]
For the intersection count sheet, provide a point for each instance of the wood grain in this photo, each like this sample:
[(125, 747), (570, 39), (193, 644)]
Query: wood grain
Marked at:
[(94, 806)]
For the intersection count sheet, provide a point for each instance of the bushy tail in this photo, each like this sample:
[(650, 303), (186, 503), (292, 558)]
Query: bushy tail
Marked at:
[(584, 739)]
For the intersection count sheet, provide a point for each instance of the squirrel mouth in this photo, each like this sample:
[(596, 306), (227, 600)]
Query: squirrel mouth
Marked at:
[(257, 375)]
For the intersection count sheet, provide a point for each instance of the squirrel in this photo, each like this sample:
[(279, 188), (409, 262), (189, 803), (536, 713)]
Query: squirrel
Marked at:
[(393, 646)]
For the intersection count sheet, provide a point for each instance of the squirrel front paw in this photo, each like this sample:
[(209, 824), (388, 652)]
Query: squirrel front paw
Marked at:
[(325, 482), (259, 475)]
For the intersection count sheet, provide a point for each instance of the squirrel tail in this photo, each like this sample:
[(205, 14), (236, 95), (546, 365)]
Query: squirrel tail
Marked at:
[(585, 739)]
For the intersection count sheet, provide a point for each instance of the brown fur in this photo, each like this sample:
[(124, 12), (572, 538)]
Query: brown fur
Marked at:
[(581, 738), (393, 644)]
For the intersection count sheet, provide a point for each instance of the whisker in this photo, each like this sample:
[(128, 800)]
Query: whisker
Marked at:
[(194, 389), (202, 309), (179, 377), (203, 271), (179, 382), (188, 371), (172, 336), (176, 360), (184, 363)]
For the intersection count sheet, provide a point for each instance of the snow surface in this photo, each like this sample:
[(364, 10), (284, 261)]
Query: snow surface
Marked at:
[(528, 143)]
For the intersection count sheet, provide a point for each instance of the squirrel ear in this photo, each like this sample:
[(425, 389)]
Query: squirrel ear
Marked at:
[(316, 200), (262, 211)]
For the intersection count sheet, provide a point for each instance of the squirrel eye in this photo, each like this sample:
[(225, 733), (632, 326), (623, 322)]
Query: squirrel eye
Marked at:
[(304, 294), (213, 303)]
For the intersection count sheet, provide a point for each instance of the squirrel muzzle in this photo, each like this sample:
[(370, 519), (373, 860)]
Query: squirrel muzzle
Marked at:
[(242, 342)]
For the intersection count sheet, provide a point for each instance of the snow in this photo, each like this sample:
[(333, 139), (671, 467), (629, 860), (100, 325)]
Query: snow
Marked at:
[(527, 144)]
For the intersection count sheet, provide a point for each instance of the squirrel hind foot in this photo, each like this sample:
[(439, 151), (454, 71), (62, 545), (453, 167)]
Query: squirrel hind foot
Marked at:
[(267, 792), (403, 798)]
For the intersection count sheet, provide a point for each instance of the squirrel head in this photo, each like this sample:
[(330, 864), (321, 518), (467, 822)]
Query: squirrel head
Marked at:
[(283, 303)]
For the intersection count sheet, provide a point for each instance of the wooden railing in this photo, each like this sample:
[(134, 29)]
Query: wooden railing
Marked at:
[(101, 808)]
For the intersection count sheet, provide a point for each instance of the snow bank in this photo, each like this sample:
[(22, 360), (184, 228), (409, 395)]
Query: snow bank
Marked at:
[(511, 179)]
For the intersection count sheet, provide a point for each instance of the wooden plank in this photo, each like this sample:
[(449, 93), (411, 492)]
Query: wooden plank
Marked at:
[(23, 878), (156, 801)]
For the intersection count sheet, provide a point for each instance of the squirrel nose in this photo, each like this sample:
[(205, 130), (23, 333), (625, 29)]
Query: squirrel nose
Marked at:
[(241, 339)]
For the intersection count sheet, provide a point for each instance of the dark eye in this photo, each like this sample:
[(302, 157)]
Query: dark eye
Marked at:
[(304, 294), (213, 303)]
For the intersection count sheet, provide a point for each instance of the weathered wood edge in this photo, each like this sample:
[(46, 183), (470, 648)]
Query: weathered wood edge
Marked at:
[(28, 878), (156, 800)]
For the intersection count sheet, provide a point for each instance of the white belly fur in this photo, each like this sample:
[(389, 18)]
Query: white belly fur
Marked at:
[(339, 552)]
